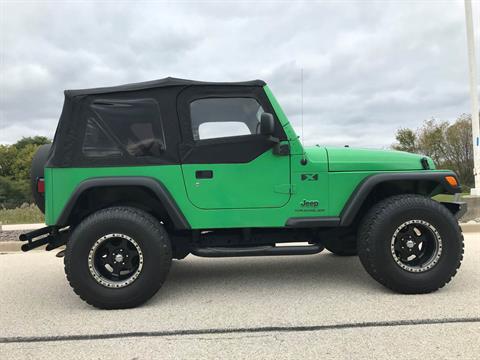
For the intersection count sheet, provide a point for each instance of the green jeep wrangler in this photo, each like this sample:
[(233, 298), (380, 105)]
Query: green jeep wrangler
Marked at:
[(144, 173)]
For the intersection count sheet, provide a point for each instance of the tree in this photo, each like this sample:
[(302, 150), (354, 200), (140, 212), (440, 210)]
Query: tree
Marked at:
[(407, 140), (15, 164), (13, 193), (8, 154), (459, 149), (28, 141), (449, 145)]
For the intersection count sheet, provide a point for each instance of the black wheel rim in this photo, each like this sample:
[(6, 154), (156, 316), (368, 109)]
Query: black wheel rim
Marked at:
[(416, 246), (115, 260)]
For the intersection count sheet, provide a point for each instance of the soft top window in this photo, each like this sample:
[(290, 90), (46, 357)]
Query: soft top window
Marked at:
[(96, 142), (134, 125), (224, 117)]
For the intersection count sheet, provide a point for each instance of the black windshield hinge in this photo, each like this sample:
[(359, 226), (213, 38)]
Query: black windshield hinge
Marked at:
[(425, 164), (281, 149)]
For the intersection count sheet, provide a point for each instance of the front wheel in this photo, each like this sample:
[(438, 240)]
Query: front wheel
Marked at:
[(410, 244), (117, 258)]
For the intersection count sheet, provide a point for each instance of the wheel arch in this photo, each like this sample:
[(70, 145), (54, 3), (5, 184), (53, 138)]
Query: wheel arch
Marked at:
[(146, 193), (379, 186)]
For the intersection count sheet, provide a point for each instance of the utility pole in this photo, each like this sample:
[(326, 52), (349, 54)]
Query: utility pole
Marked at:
[(474, 95)]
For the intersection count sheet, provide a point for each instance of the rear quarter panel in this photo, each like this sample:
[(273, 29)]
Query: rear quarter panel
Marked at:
[(62, 182)]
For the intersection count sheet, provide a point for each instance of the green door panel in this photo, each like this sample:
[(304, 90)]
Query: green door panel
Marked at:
[(254, 184)]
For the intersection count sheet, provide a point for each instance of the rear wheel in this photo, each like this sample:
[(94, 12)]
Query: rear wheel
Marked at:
[(410, 244), (117, 258)]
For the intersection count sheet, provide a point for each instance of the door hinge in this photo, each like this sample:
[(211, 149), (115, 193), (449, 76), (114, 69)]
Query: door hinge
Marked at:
[(284, 189)]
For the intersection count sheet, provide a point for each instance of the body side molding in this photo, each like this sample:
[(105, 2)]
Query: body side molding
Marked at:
[(150, 183)]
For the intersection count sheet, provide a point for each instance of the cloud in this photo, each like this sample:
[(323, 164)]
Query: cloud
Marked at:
[(369, 68)]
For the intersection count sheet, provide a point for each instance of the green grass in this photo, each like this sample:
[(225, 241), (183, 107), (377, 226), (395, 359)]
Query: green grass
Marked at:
[(28, 214), (443, 197), (447, 197)]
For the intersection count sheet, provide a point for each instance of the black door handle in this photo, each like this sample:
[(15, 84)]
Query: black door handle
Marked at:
[(204, 174)]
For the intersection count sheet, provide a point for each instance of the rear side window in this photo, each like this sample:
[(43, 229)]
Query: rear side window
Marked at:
[(134, 125), (96, 142), (224, 117)]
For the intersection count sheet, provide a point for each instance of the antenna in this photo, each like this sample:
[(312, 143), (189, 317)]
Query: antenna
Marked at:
[(304, 159)]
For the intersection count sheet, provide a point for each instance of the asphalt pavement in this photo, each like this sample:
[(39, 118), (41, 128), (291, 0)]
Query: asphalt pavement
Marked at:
[(315, 306)]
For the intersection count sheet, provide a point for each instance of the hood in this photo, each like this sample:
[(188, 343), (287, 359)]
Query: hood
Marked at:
[(350, 159)]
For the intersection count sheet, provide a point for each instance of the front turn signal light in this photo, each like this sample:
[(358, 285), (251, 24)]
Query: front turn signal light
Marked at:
[(451, 180)]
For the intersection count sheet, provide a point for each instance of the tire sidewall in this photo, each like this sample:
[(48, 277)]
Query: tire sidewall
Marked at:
[(449, 259), (155, 248)]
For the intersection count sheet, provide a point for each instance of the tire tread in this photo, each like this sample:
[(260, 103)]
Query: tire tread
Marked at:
[(366, 244), (147, 221)]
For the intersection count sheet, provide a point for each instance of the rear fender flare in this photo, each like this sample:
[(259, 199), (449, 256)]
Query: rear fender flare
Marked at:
[(159, 189)]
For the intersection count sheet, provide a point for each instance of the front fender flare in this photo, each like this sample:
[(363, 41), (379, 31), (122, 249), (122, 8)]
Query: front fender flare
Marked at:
[(360, 194)]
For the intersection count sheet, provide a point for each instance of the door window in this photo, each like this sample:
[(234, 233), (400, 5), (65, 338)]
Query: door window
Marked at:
[(224, 117)]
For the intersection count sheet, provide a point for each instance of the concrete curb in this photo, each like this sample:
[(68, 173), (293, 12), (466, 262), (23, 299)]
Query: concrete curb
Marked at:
[(15, 246), (470, 227), (21, 227)]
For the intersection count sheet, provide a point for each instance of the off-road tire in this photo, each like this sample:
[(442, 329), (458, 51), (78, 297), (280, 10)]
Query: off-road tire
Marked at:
[(342, 246), (148, 233), (375, 236)]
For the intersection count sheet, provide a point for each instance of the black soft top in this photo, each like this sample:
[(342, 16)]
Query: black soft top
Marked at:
[(106, 126), (168, 81)]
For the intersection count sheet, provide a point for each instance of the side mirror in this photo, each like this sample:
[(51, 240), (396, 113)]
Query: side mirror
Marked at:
[(267, 124)]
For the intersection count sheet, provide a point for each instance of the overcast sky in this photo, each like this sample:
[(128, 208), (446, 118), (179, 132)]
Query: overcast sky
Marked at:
[(369, 67)]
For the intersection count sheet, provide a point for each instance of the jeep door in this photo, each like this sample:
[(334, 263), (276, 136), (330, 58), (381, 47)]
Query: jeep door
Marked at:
[(226, 162)]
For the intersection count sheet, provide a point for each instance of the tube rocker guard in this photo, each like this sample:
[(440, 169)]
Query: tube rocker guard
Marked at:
[(51, 236)]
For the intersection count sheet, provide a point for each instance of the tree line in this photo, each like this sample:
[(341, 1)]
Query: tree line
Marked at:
[(15, 163), (448, 144)]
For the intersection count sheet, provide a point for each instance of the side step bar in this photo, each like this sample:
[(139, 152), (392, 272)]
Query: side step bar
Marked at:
[(257, 251)]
